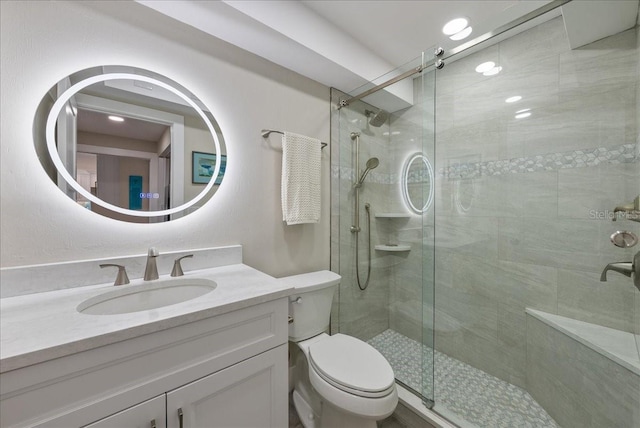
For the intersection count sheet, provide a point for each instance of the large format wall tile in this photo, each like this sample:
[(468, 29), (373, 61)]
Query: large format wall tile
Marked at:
[(522, 206), (590, 192), (567, 244), (576, 385), (581, 295), (517, 284), (544, 41)]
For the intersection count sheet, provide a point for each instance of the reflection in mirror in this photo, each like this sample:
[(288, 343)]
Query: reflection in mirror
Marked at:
[(417, 183), (119, 141)]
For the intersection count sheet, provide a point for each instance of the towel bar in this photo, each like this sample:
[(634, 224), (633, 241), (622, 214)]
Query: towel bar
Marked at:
[(265, 134)]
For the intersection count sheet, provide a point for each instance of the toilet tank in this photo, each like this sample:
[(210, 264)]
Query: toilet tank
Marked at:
[(310, 304)]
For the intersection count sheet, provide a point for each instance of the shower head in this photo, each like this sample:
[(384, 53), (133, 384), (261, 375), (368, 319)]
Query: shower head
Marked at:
[(377, 119), (371, 164)]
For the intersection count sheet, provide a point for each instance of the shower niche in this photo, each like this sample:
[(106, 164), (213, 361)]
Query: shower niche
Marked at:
[(392, 222)]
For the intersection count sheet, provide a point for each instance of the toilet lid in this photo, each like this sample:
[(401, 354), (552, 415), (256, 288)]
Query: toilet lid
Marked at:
[(351, 363)]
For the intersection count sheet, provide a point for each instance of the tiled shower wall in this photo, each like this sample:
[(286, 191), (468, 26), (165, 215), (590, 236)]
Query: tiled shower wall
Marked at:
[(394, 296), (523, 205), (522, 210), (362, 314)]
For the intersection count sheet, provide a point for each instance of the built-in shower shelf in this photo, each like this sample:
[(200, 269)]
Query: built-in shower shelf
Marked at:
[(392, 248), (392, 215)]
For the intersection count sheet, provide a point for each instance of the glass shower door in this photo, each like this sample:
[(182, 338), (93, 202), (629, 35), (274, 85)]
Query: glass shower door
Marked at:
[(382, 204), (427, 177)]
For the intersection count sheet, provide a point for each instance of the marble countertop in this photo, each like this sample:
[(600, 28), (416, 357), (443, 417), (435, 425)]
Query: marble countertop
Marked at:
[(38, 327)]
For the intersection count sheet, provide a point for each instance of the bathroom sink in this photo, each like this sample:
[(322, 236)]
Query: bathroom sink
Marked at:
[(153, 295)]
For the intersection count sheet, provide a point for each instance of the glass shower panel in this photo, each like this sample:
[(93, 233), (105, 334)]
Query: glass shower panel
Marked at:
[(425, 175), (381, 187), (532, 159)]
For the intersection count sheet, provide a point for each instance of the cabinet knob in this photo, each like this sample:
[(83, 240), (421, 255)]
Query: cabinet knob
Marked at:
[(153, 423)]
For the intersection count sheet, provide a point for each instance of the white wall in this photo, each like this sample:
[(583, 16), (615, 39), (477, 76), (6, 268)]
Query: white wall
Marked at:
[(42, 42)]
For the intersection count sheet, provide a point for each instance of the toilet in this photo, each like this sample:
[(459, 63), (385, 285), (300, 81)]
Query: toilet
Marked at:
[(338, 381)]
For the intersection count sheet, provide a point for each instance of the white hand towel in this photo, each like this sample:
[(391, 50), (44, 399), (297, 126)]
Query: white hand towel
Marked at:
[(300, 179)]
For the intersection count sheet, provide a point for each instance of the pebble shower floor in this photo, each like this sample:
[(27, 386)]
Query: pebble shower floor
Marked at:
[(479, 398)]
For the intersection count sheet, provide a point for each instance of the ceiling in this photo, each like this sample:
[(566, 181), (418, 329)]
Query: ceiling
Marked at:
[(398, 31), (347, 43), (99, 123), (342, 44)]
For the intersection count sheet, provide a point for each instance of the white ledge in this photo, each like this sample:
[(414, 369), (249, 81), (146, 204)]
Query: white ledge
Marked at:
[(617, 345)]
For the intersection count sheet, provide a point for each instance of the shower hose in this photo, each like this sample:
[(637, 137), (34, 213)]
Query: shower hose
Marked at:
[(367, 207)]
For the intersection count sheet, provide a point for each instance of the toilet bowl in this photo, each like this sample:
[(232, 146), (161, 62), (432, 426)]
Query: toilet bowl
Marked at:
[(339, 381)]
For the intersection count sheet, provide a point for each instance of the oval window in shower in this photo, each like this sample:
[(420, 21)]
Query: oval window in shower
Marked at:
[(417, 183)]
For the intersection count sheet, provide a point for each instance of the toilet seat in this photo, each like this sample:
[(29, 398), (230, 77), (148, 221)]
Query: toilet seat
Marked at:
[(351, 365)]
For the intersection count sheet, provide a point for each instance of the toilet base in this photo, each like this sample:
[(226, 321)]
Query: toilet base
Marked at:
[(308, 417), (330, 416), (336, 418)]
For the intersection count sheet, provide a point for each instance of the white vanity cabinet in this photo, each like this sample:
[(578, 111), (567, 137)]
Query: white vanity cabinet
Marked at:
[(240, 396), (228, 370), (150, 414)]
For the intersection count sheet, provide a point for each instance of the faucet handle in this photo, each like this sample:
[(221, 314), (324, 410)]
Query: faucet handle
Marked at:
[(177, 267), (121, 278)]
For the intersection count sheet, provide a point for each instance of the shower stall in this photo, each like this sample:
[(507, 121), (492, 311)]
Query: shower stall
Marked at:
[(472, 219)]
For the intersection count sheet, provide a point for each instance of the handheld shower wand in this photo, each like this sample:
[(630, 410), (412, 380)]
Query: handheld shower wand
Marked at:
[(371, 164)]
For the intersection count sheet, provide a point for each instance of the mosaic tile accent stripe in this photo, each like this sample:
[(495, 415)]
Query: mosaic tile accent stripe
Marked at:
[(347, 173), (477, 397), (626, 153)]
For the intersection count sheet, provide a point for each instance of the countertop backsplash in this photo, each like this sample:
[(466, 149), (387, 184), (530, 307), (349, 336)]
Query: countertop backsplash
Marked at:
[(22, 280)]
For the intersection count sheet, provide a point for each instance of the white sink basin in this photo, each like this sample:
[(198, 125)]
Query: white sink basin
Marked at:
[(156, 294)]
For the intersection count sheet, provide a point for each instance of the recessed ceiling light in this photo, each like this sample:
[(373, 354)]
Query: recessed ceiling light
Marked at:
[(523, 110), (116, 118), (513, 99), (462, 34), (523, 115), (455, 26), (485, 66), (493, 71)]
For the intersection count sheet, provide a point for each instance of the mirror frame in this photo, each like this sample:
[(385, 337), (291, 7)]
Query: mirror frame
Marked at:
[(65, 97), (405, 183)]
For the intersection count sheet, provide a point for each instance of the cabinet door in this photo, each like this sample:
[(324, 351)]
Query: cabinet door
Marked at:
[(148, 414), (252, 393)]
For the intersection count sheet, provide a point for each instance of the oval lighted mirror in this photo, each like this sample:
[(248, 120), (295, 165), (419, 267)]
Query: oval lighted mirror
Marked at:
[(129, 144), (417, 183)]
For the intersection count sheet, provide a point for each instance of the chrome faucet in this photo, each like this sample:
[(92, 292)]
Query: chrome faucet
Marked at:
[(121, 278), (151, 270), (177, 267), (630, 269), (631, 210)]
